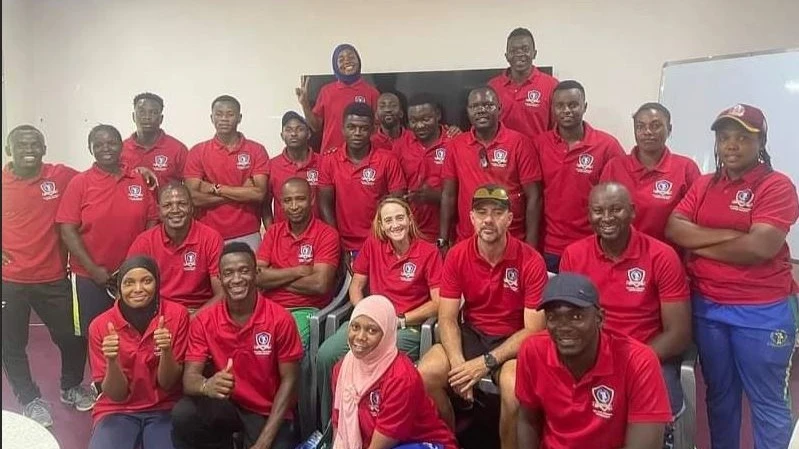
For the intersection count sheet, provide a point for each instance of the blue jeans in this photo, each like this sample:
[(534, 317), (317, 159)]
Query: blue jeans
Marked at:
[(145, 430), (747, 349)]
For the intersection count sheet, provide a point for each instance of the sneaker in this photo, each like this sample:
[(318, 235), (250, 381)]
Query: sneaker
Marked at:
[(81, 397), (39, 411)]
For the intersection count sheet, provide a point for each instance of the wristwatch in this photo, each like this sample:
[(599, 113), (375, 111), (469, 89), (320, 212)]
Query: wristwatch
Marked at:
[(490, 361), (441, 243), (401, 318)]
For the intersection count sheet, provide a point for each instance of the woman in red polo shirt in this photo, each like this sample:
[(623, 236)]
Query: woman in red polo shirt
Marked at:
[(733, 223), (380, 401), (657, 178), (136, 352), (397, 263)]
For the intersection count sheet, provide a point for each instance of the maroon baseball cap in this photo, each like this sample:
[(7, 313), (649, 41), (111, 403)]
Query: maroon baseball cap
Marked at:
[(750, 117)]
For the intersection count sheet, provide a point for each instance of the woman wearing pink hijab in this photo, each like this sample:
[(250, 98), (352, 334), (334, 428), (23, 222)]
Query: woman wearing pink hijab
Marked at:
[(379, 399)]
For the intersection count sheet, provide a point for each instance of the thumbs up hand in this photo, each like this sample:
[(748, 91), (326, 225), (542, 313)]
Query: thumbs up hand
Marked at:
[(111, 343), (162, 336), (220, 385)]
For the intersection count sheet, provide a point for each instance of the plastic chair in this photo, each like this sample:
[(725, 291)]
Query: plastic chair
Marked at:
[(685, 426)]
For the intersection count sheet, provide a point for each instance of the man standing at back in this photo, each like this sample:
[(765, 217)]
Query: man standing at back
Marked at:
[(524, 91), (150, 146), (227, 177), (390, 119)]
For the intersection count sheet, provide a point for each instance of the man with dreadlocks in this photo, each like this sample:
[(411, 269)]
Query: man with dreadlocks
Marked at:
[(733, 225)]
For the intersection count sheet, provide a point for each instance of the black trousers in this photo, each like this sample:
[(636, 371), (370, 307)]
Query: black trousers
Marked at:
[(53, 303), (199, 422)]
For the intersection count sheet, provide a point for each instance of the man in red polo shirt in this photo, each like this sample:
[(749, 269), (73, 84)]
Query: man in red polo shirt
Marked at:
[(390, 120), (227, 177), (524, 91), (640, 279), (150, 146), (354, 179), (500, 279), (298, 258), (490, 153), (186, 251), (582, 387), (422, 155), (34, 272), (572, 158), (255, 351), (297, 160)]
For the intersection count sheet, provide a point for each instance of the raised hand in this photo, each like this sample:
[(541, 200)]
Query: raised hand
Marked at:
[(162, 336), (220, 385), (302, 91), (111, 343)]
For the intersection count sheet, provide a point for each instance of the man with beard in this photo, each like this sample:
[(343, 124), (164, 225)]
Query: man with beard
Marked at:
[(390, 120), (500, 280), (186, 251)]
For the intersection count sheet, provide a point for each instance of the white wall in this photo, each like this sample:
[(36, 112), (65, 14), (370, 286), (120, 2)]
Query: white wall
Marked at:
[(89, 57)]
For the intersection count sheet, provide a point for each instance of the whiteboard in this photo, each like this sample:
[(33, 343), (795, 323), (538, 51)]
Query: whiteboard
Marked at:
[(696, 90)]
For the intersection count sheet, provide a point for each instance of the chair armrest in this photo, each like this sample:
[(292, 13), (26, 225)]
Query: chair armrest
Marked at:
[(334, 319), (316, 320), (689, 358), (428, 335)]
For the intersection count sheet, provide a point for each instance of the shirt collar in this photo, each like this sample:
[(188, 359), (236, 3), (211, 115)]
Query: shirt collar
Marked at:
[(125, 172), (442, 139), (512, 249), (258, 315), (663, 165), (413, 249), (588, 136), (752, 175), (285, 231), (358, 83), (158, 142), (506, 79), (192, 237), (286, 160), (631, 252), (220, 146), (604, 360), (499, 137), (120, 322), (44, 172), (363, 163)]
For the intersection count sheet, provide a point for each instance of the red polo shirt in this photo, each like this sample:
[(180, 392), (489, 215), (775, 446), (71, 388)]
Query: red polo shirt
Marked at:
[(281, 169), (405, 280), (186, 269), (511, 164), (319, 244), (358, 189), (138, 358), (30, 236), (568, 177), (632, 288), (625, 386), (165, 158), (110, 212), (212, 162), (380, 139), (333, 98), (422, 166), (398, 407), (494, 297), (760, 196), (526, 107), (655, 192), (257, 348)]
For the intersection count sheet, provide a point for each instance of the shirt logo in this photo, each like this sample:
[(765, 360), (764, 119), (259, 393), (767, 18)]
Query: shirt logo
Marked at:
[(160, 163), (360, 99), (189, 261), (441, 153), (533, 98), (305, 253), (585, 163), (662, 189), (263, 343), (743, 201), (512, 279), (368, 176), (738, 110), (135, 193), (49, 190), (779, 339), (499, 158), (636, 280), (603, 401), (243, 161), (312, 176), (374, 403), (408, 271)]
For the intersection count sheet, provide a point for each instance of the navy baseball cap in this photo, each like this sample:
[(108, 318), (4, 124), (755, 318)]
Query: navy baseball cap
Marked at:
[(571, 288), (290, 115)]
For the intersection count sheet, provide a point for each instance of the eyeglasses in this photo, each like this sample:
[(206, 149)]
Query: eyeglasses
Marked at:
[(491, 193), (489, 107)]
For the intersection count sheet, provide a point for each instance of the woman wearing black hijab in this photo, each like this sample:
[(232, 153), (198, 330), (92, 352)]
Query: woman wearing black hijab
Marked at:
[(136, 351)]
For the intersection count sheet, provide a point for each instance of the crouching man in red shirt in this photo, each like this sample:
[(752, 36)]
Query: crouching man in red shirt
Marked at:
[(581, 386)]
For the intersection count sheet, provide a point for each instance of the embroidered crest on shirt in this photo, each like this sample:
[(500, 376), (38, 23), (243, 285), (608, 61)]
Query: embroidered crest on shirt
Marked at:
[(778, 339), (743, 201), (441, 154), (135, 192), (305, 253), (499, 158), (263, 343), (408, 271), (189, 261), (49, 190), (662, 189), (374, 403), (312, 176), (360, 99), (368, 176), (512, 279), (160, 163), (243, 161), (636, 280), (603, 401), (585, 163), (533, 98)]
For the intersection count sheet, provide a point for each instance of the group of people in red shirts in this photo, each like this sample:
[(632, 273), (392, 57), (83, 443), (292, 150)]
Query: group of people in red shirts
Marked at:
[(196, 324)]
